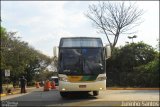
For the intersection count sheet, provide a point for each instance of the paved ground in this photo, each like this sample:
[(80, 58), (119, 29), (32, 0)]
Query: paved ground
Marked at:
[(37, 97)]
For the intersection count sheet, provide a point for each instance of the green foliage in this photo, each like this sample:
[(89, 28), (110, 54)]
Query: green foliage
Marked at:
[(149, 73), (44, 75), (134, 65), (20, 58), (133, 55)]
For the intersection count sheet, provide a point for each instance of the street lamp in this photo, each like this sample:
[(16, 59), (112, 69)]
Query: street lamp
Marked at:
[(131, 37), (127, 42)]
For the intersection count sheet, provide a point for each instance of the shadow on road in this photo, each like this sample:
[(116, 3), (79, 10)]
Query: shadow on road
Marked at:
[(52, 97), (79, 96)]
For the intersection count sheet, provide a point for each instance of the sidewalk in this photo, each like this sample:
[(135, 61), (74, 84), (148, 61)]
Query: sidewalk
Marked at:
[(17, 91), (130, 88)]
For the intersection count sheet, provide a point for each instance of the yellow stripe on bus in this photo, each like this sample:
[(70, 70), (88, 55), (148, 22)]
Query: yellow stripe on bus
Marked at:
[(74, 78)]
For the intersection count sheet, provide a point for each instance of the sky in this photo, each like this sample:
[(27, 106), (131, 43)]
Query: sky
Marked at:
[(43, 23)]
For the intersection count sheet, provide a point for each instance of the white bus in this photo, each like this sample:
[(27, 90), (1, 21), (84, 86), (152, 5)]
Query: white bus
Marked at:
[(81, 65), (55, 79)]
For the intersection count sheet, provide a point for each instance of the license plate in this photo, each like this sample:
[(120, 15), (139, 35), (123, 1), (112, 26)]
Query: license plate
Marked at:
[(82, 86)]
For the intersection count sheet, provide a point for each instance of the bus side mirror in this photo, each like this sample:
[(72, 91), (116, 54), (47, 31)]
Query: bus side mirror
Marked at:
[(108, 51), (55, 52)]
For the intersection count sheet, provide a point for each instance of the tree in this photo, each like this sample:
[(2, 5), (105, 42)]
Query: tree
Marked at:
[(135, 64), (114, 19), (20, 58), (148, 74), (136, 54), (37, 64), (44, 75)]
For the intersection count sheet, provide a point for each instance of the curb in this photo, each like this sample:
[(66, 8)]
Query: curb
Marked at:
[(2, 95), (16, 92), (132, 88), (12, 93)]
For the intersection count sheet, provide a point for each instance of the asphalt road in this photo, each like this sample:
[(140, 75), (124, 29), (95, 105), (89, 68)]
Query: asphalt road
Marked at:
[(37, 97)]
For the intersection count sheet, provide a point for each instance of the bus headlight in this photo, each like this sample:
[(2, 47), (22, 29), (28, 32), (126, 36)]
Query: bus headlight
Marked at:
[(63, 79), (101, 78)]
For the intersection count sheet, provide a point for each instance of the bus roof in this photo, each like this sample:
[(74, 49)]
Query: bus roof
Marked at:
[(79, 37), (81, 42)]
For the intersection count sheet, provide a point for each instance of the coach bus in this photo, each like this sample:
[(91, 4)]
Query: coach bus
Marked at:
[(81, 65)]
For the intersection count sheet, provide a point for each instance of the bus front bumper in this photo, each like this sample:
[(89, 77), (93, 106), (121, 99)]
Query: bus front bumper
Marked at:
[(85, 86)]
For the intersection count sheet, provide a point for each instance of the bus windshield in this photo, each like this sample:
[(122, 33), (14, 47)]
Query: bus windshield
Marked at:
[(81, 61), (81, 42)]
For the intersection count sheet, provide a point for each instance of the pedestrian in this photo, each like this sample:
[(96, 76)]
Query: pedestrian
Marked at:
[(23, 82), (43, 82)]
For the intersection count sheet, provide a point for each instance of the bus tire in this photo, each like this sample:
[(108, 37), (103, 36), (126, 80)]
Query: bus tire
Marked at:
[(63, 94), (95, 93)]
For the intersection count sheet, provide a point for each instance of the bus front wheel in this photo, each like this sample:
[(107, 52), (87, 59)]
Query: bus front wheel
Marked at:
[(63, 94), (95, 93)]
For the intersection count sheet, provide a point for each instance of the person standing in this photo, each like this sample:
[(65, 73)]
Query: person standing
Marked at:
[(23, 82)]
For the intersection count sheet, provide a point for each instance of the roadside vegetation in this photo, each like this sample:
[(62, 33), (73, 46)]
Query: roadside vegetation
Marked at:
[(133, 65), (21, 59)]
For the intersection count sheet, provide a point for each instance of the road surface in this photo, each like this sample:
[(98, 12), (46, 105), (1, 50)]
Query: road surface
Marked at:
[(38, 97)]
